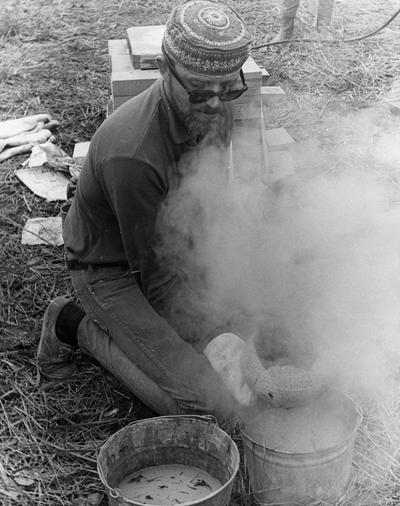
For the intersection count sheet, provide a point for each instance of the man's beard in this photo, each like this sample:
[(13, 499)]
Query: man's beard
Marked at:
[(207, 125)]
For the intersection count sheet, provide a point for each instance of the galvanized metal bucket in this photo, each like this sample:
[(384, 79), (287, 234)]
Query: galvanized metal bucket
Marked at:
[(278, 477), (183, 439)]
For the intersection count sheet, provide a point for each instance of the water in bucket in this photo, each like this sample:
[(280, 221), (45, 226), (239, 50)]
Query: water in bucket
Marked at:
[(187, 458), (168, 484)]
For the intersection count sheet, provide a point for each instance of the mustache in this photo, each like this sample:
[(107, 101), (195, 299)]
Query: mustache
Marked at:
[(212, 111)]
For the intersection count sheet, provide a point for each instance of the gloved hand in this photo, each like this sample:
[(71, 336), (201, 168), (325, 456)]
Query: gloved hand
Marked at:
[(224, 354)]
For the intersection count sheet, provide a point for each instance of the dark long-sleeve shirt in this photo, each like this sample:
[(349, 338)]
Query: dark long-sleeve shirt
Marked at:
[(131, 166)]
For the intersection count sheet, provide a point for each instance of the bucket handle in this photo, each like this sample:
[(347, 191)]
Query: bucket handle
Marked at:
[(113, 493), (205, 418)]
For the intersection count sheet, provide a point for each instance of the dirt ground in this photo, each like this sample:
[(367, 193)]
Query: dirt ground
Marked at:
[(53, 58)]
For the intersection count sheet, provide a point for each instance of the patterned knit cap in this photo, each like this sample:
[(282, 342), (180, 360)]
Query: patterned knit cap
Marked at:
[(207, 37)]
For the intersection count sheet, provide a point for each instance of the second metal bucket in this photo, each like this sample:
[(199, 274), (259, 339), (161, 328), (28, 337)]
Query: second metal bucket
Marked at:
[(278, 477), (188, 440)]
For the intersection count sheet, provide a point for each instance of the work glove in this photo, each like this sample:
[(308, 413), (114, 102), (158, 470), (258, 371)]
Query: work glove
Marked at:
[(224, 354), (21, 135), (12, 127)]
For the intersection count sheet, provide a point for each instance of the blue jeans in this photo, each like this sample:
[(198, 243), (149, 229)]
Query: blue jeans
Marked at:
[(120, 332)]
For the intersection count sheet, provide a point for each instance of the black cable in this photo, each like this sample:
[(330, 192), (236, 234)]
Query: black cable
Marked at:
[(327, 41)]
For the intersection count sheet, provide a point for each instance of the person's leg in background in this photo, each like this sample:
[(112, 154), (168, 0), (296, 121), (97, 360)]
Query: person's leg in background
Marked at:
[(288, 15), (324, 16)]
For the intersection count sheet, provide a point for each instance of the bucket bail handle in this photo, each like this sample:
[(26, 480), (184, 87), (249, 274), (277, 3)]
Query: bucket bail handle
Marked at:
[(204, 418)]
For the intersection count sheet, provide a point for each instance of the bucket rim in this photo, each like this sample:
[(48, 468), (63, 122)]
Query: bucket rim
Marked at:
[(209, 419), (350, 436)]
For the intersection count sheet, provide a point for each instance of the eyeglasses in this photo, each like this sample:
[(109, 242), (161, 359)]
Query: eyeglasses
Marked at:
[(201, 96)]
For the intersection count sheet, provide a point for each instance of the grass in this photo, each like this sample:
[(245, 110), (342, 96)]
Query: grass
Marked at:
[(53, 58)]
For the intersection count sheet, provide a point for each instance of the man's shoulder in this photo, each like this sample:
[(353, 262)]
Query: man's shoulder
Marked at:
[(124, 132)]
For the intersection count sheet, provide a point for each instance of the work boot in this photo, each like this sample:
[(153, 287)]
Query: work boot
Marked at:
[(54, 358)]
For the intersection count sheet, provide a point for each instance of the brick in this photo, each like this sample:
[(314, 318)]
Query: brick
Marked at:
[(133, 82), (271, 95), (110, 107), (248, 98), (145, 44), (119, 100), (251, 70), (393, 98), (120, 63), (395, 90), (248, 111), (253, 84), (247, 122), (80, 151), (264, 77), (281, 165), (394, 107), (118, 46), (247, 153), (278, 139)]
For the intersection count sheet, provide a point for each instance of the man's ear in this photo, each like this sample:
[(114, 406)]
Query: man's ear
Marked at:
[(162, 65)]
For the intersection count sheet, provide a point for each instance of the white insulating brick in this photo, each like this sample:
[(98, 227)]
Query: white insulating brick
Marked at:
[(264, 77), (248, 98), (119, 100), (80, 151), (145, 44), (278, 139), (246, 111), (121, 63), (251, 70), (110, 106), (271, 95), (394, 107), (248, 159), (395, 90), (133, 82), (118, 46), (281, 165)]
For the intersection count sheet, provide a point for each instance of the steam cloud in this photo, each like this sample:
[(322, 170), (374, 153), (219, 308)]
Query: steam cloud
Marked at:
[(321, 254)]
